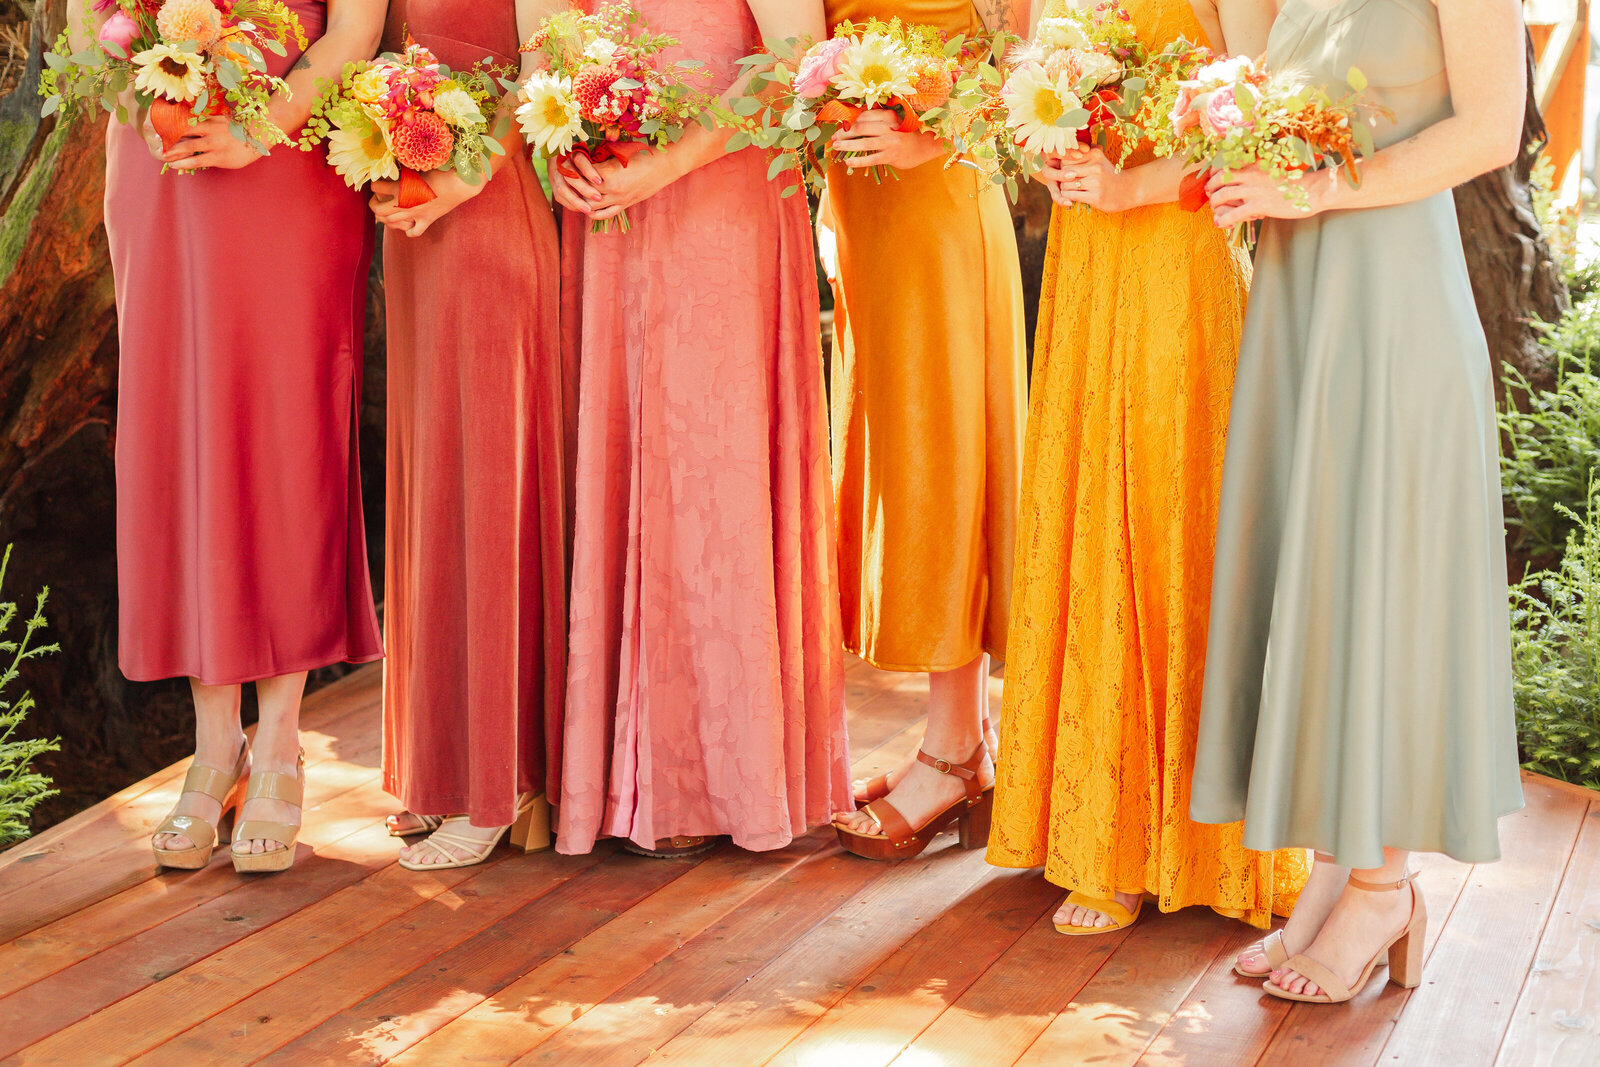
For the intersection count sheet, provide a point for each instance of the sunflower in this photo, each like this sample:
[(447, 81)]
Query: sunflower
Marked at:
[(549, 114), (1040, 109), (875, 70), (167, 70), (358, 149), (198, 21)]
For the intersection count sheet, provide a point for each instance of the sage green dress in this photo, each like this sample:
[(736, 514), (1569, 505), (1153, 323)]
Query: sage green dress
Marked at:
[(1358, 676)]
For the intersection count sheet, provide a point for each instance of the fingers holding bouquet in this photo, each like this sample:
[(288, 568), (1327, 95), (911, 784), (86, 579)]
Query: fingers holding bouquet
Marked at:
[(1087, 176), (878, 139), (450, 192), (210, 144), (1251, 194)]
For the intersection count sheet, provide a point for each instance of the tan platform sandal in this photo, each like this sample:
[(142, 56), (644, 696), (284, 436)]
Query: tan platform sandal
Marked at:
[(1404, 950), (1272, 948), (270, 785), (530, 831), (865, 790), (897, 839), (227, 789), (672, 847), (422, 824)]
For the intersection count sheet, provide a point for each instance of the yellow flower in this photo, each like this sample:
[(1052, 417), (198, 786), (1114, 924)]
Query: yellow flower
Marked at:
[(369, 86), (549, 115), (198, 21), (167, 70), (1038, 107), (358, 149), (874, 70), (453, 104)]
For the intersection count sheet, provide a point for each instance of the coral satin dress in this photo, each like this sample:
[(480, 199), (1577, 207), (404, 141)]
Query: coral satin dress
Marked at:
[(1139, 326), (475, 590), (929, 396), (241, 298), (706, 686)]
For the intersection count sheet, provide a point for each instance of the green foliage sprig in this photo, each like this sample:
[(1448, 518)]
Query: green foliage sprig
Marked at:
[(21, 787)]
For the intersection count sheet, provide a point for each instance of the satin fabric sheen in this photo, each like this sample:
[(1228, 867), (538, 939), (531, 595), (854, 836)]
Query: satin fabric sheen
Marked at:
[(475, 588), (929, 397), (1358, 684), (706, 684), (241, 297)]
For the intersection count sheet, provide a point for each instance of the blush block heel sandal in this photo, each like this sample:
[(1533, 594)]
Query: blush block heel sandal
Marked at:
[(1404, 950), (226, 789), (271, 785)]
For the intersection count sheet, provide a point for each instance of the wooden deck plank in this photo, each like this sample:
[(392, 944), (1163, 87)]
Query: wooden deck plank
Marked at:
[(890, 1005), (649, 1011), (161, 896), (1126, 1004), (1557, 1019), (258, 1017), (40, 1009), (328, 714), (429, 996), (473, 897), (114, 865), (520, 1017), (1008, 1007), (930, 910)]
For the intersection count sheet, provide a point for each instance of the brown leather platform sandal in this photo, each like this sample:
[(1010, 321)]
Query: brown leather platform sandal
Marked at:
[(897, 839), (866, 790), (671, 847)]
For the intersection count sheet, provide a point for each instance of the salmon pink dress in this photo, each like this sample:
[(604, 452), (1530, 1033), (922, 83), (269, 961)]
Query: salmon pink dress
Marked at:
[(705, 686), (475, 589), (241, 298)]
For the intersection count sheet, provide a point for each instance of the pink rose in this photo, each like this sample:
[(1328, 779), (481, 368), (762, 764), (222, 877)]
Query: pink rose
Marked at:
[(1185, 115), (818, 68), (1221, 113), (119, 31)]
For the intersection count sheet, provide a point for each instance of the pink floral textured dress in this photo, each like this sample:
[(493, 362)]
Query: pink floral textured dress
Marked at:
[(705, 685), (240, 304)]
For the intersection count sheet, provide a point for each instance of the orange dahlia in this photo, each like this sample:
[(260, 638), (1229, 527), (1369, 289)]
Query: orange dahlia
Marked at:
[(935, 81), (190, 20), (593, 85), (424, 142)]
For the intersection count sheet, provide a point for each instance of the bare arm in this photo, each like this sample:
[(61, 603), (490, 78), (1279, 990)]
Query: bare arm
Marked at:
[(1485, 62), (1238, 27)]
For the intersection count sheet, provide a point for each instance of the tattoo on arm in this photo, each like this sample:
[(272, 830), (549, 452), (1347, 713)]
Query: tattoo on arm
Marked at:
[(303, 63), (1003, 14)]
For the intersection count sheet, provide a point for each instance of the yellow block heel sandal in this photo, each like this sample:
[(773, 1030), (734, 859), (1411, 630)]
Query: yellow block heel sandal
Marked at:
[(1121, 918), (222, 786)]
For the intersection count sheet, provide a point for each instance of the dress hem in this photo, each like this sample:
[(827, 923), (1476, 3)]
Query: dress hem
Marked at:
[(275, 672), (871, 661), (1461, 857)]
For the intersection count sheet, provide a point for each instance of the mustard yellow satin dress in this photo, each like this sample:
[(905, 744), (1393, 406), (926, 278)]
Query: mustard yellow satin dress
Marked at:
[(929, 397), (1139, 329)]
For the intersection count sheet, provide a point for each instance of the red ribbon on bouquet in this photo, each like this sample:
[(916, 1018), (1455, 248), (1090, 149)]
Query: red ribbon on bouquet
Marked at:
[(621, 151), (1192, 195)]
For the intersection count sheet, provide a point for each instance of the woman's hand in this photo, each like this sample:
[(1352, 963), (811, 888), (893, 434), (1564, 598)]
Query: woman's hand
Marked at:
[(579, 193), (1252, 193), (621, 187), (209, 144), (1086, 176), (873, 141), (451, 192)]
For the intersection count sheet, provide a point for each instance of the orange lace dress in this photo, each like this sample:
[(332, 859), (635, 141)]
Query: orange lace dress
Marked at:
[(1139, 330)]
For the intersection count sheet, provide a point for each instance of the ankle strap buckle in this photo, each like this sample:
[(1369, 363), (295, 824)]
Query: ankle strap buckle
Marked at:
[(943, 766)]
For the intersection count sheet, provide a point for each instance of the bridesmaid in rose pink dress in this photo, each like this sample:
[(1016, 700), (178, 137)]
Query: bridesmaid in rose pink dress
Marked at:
[(475, 594), (705, 685), (241, 553)]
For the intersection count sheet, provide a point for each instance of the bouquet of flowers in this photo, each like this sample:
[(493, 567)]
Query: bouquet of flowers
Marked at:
[(406, 113), (1080, 81), (605, 92), (185, 60), (1232, 114), (802, 93)]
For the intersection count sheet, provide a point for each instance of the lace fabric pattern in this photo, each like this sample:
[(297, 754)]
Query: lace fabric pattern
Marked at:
[(1138, 336)]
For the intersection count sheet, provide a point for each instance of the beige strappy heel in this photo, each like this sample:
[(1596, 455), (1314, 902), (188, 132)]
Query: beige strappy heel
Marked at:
[(425, 824), (270, 785), (529, 832), (1404, 950), (1272, 948), (222, 786)]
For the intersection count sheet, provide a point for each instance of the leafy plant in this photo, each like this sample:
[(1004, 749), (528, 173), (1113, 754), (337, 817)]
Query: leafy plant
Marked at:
[(21, 787), (1552, 440), (1555, 625)]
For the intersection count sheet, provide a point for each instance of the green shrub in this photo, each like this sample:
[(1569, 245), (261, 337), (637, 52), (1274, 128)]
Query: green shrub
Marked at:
[(1555, 625), (1552, 441), (21, 787)]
